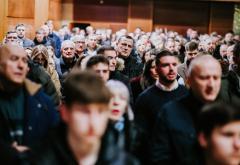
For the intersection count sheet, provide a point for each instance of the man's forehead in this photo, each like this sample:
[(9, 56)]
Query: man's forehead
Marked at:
[(7, 51), (126, 40), (207, 67)]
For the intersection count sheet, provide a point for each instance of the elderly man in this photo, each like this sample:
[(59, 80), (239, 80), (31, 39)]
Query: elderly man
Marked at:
[(26, 113), (11, 38), (132, 68), (67, 59), (80, 46), (174, 139)]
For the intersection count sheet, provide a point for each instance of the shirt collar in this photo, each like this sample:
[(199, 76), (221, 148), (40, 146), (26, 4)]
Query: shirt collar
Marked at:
[(164, 88)]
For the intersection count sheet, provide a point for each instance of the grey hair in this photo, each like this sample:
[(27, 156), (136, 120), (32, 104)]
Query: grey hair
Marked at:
[(115, 84)]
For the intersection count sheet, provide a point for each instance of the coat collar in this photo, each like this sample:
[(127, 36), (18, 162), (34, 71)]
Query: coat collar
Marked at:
[(31, 87)]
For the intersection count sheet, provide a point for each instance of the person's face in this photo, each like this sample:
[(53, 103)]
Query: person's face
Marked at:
[(21, 30), (46, 30), (141, 47), (111, 55), (223, 51), (102, 70), (125, 47), (228, 37), (230, 53), (12, 38), (118, 104), (223, 146), (153, 71), (205, 81), (170, 46), (147, 56), (40, 60), (209, 46), (14, 65), (167, 69), (86, 123), (177, 46), (80, 45), (191, 55), (68, 51), (39, 37), (92, 41)]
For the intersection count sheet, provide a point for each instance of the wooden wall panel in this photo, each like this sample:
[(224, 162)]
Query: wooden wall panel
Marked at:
[(55, 8), (110, 11), (21, 8), (181, 15), (30, 29), (221, 17), (3, 17), (140, 14)]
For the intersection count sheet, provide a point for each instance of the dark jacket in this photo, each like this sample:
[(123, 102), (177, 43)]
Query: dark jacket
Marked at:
[(39, 116), (230, 87), (56, 151), (123, 133), (133, 67), (147, 107), (174, 139), (64, 68), (56, 44), (39, 75)]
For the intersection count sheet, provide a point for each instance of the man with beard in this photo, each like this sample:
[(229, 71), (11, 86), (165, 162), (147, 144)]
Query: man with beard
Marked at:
[(191, 52), (174, 139), (151, 100)]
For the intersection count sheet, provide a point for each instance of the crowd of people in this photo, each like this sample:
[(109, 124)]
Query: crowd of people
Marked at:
[(91, 96)]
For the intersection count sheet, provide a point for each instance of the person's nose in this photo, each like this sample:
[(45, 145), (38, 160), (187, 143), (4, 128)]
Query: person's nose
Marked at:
[(236, 143)]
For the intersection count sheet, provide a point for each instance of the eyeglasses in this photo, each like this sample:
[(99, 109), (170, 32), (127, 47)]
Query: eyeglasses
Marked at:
[(11, 37)]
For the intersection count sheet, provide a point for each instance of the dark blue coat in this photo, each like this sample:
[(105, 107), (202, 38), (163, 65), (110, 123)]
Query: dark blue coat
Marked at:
[(174, 139), (39, 116)]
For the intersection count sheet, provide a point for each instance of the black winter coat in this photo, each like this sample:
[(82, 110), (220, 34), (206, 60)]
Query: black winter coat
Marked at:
[(174, 139), (56, 151)]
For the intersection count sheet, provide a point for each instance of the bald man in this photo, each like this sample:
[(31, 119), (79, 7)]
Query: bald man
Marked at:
[(175, 139), (26, 113)]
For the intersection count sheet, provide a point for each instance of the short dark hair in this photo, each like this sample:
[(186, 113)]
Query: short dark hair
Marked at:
[(191, 46), (162, 54), (96, 60), (216, 115), (85, 87), (102, 49)]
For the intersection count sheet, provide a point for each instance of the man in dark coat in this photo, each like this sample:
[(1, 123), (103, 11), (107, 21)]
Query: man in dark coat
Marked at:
[(26, 113), (174, 139), (132, 67), (67, 60), (152, 99)]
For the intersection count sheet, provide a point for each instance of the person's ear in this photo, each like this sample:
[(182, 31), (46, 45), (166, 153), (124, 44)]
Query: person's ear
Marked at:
[(202, 139), (64, 112)]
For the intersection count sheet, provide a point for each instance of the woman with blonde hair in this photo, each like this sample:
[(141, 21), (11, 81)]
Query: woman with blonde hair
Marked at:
[(121, 116), (40, 55)]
